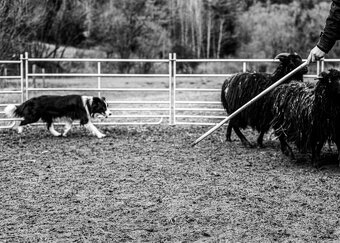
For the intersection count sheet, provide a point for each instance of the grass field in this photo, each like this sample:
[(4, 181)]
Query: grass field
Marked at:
[(146, 184)]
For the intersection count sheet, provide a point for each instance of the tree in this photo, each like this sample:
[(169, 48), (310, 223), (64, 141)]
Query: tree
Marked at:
[(14, 32), (225, 14), (309, 24), (206, 27), (31, 25), (265, 31), (62, 25), (126, 28)]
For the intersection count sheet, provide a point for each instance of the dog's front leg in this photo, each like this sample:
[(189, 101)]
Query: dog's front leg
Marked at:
[(67, 128), (89, 126)]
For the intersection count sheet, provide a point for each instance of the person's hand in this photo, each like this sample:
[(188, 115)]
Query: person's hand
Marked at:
[(315, 54)]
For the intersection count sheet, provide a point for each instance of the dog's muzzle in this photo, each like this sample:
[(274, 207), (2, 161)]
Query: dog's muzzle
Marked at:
[(107, 113)]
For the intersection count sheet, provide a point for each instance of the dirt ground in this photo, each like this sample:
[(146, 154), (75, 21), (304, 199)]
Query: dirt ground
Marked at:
[(146, 184)]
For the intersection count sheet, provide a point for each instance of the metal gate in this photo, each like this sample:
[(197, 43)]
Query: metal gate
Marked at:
[(171, 95), (130, 106), (205, 108), (7, 93)]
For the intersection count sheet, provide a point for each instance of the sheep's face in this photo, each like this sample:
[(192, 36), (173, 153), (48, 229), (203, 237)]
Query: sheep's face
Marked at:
[(334, 79), (331, 80), (290, 61)]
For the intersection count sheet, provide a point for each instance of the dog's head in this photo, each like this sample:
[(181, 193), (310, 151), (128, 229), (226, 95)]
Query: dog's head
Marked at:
[(98, 106)]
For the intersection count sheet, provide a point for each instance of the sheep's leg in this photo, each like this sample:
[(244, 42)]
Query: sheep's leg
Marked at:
[(316, 151), (228, 134), (337, 143), (260, 139), (315, 157), (338, 147), (244, 140), (285, 148)]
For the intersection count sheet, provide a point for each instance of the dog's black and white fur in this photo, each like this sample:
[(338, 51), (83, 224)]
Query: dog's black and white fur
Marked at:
[(48, 108)]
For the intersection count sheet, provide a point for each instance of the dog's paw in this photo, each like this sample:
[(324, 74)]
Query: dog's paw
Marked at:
[(101, 135)]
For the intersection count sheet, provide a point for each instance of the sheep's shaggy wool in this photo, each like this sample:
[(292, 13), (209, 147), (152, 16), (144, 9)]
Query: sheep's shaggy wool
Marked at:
[(293, 112), (306, 114), (242, 87)]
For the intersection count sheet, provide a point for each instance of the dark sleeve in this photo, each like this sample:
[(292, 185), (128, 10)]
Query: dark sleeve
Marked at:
[(331, 32)]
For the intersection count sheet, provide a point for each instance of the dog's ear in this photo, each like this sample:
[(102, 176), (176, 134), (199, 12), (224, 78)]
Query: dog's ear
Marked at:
[(103, 98), (96, 101)]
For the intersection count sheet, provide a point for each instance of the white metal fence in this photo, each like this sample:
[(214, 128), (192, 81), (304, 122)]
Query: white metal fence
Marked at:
[(167, 96), (16, 91)]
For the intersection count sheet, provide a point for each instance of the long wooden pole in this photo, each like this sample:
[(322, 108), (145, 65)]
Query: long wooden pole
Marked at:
[(281, 80)]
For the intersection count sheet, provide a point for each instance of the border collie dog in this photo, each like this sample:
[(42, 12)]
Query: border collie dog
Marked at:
[(48, 108)]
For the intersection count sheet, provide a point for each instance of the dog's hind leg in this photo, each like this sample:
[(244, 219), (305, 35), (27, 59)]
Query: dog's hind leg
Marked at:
[(27, 121), (18, 127)]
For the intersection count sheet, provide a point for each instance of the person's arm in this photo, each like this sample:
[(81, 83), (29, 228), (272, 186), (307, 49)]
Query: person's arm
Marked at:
[(315, 54), (330, 34)]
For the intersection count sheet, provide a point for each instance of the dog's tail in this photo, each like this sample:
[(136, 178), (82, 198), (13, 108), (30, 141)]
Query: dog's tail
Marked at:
[(10, 110)]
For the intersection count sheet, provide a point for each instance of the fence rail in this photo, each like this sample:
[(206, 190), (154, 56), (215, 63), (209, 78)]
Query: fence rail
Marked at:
[(173, 103)]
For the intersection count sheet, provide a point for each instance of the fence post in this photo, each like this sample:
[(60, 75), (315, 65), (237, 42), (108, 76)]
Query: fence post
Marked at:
[(174, 87), (170, 89), (99, 78), (22, 77), (26, 73), (43, 77), (244, 68), (5, 80), (34, 68)]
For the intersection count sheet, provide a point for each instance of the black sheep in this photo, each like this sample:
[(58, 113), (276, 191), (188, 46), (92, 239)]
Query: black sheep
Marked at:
[(307, 114), (335, 113), (242, 87)]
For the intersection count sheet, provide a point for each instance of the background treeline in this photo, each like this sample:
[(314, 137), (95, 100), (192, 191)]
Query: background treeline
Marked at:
[(154, 28)]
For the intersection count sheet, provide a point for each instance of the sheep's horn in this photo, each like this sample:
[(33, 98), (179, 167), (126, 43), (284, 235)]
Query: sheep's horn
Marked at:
[(283, 54)]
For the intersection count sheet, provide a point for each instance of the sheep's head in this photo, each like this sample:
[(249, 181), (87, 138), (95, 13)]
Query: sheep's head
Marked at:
[(331, 80), (290, 61)]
